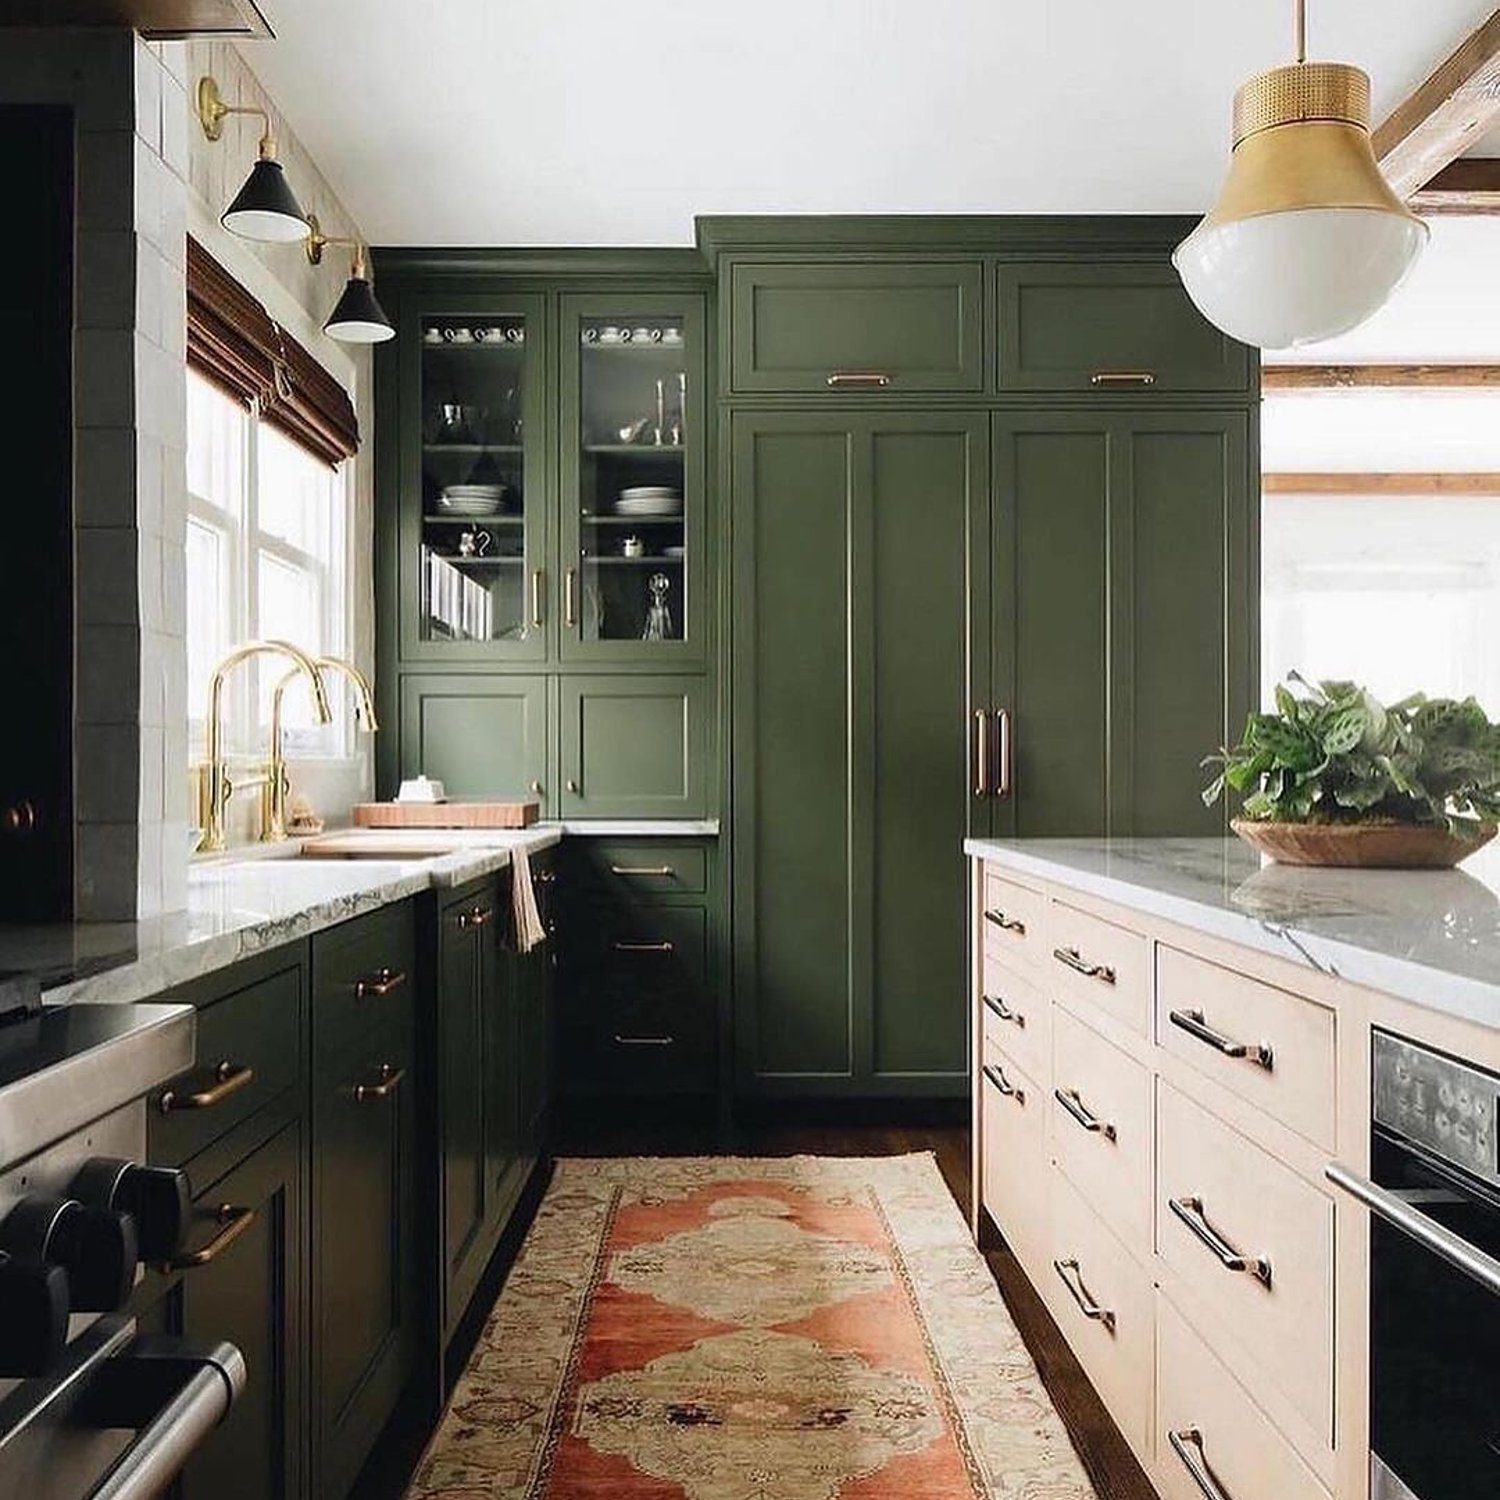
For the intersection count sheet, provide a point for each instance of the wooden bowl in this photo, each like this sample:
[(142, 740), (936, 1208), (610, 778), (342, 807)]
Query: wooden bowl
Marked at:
[(1372, 846)]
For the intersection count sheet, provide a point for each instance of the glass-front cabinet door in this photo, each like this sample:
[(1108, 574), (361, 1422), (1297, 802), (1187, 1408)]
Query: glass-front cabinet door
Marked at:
[(632, 534), (474, 540)]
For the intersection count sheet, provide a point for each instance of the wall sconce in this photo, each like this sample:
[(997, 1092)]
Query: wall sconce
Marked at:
[(357, 318), (265, 208)]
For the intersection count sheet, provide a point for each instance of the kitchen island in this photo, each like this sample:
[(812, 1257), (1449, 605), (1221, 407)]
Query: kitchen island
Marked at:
[(1172, 1047)]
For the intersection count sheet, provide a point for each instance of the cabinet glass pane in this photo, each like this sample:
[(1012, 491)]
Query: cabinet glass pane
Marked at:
[(634, 407), (473, 563)]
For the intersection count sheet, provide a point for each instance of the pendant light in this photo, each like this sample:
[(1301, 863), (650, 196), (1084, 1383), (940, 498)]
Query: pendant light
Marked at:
[(265, 209), (357, 317), (1307, 239)]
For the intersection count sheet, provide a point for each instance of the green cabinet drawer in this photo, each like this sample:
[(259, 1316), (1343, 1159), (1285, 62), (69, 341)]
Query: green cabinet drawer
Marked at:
[(842, 328), (645, 867), (250, 1048), (363, 973), (634, 746), (1122, 328)]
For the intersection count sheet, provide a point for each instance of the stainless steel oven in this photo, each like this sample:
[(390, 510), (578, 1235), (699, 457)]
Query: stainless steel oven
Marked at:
[(1434, 1275)]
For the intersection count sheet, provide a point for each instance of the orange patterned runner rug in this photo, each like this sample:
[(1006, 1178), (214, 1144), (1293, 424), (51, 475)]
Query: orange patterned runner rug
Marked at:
[(727, 1328)]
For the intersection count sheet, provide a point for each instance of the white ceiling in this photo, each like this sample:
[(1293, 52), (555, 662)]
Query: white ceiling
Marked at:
[(595, 122)]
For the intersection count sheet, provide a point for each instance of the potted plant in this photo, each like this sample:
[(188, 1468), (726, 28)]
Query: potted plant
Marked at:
[(1334, 777)]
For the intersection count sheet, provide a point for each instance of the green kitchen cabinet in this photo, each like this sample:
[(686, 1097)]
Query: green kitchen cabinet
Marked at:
[(634, 746), (860, 654), (1124, 617), (480, 734), (534, 982), (839, 325)]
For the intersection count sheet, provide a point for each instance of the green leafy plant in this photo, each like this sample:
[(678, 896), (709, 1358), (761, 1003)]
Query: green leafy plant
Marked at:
[(1333, 753)]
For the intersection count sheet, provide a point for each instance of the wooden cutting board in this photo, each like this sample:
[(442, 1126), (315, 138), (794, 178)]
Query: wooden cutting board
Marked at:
[(445, 814)]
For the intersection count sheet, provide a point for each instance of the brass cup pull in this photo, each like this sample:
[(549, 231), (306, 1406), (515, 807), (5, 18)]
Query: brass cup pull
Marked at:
[(1074, 960), (390, 1081), (1004, 1012), (233, 1222), (229, 1078), (1190, 1212), (379, 984), (643, 1041), (1194, 1023), (662, 947), (643, 872), (1072, 1278), (981, 753), (1122, 377), (1188, 1446), (1003, 1085), (997, 918), (870, 380), (1072, 1101)]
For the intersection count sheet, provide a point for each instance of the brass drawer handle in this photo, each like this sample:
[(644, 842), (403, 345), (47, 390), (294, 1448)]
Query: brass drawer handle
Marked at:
[(234, 1221), (1190, 1211), (643, 872), (1005, 1013), (643, 1041), (1003, 1085), (379, 984), (1080, 965), (390, 1081), (537, 579), (662, 947), (1005, 785), (1122, 377), (570, 598), (1072, 1101), (229, 1078), (997, 918), (1193, 1022), (476, 917), (1197, 1464), (861, 379), (981, 753), (1081, 1295)]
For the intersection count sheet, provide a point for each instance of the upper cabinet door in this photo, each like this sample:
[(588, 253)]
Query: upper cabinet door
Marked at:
[(634, 580), (1122, 328), (856, 329), (473, 486)]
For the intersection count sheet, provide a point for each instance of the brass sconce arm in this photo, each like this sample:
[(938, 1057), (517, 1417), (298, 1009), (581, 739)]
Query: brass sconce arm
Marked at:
[(213, 111)]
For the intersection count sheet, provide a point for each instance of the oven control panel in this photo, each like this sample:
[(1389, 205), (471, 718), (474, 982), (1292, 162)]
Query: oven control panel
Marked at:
[(1438, 1103)]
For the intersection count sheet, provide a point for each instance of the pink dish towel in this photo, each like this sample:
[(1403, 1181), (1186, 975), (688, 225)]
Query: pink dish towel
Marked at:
[(528, 920)]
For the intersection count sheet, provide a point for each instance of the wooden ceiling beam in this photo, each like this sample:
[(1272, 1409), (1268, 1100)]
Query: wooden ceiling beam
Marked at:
[(1441, 119), (1470, 185), (1445, 486), (1311, 378)]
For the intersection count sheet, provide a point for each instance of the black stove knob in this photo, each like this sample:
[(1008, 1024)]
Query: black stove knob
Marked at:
[(95, 1246), (159, 1199), (33, 1316)]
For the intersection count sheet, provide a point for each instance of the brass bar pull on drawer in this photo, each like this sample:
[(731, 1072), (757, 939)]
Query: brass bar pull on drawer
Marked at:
[(997, 918), (379, 984), (1003, 786), (643, 872), (981, 753), (1190, 1211), (1196, 1463), (1004, 1012), (1072, 1101), (1081, 1295), (229, 1078), (644, 1041), (873, 380), (1080, 965), (1002, 1084), (663, 947), (233, 1223), (390, 1081), (1122, 377), (1193, 1022)]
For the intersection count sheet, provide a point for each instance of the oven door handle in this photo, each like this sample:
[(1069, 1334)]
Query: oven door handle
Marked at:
[(1426, 1231)]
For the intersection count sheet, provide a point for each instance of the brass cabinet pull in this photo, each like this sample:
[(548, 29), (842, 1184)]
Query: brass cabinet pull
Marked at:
[(536, 789), (1003, 1085), (1003, 785), (379, 984), (538, 578), (1197, 1464), (233, 1221), (570, 597), (1122, 377), (390, 1081), (861, 379), (1080, 965), (1194, 1023), (1190, 1211), (1081, 1295), (1072, 1101), (229, 1078), (981, 753), (998, 918), (571, 785), (643, 1041), (662, 947), (475, 917), (1001, 1009), (641, 872)]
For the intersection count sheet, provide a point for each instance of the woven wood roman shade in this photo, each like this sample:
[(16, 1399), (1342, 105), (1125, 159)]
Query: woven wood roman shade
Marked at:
[(236, 343)]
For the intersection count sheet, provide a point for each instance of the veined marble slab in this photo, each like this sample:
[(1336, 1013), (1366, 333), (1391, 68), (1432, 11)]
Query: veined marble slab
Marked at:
[(1428, 936)]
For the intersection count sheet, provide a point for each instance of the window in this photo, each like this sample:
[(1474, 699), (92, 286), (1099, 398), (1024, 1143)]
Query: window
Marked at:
[(267, 539)]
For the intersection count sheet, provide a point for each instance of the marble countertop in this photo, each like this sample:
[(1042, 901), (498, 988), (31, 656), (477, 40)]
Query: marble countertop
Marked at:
[(1428, 936)]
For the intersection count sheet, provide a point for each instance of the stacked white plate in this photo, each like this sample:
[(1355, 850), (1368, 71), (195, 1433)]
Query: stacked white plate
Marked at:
[(649, 500), (472, 499)]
